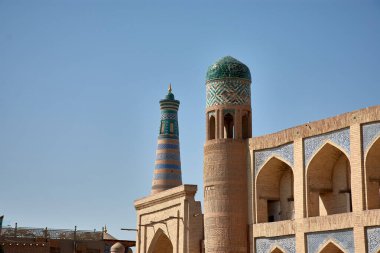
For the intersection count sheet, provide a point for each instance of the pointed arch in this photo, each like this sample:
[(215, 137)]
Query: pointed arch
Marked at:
[(160, 243), (277, 249), (274, 191), (327, 142), (331, 247), (372, 175), (328, 180)]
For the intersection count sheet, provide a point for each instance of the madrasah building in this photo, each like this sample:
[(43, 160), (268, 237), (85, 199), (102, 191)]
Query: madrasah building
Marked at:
[(312, 188)]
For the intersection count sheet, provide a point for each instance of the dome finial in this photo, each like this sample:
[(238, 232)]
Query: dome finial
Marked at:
[(170, 88)]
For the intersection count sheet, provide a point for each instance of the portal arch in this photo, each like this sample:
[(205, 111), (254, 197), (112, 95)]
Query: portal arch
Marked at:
[(160, 243)]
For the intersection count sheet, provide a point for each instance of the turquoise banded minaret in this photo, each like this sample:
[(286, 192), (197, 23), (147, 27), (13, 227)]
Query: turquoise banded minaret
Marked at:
[(167, 171)]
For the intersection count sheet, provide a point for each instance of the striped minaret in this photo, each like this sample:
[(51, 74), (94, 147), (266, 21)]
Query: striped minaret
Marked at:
[(167, 172)]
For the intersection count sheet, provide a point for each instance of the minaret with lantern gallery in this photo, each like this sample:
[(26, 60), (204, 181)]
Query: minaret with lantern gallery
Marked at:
[(228, 124), (167, 171)]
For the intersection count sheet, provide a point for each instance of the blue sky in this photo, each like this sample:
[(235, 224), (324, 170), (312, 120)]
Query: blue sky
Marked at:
[(80, 83)]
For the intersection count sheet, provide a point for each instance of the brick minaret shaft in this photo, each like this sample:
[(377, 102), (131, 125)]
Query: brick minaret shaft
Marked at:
[(228, 124), (167, 172)]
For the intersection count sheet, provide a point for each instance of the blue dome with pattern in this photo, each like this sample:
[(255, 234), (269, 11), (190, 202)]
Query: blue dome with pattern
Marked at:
[(228, 67)]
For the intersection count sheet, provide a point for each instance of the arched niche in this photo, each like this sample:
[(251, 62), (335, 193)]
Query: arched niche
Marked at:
[(328, 182), (228, 126), (160, 243), (274, 188), (331, 247), (372, 167), (211, 127)]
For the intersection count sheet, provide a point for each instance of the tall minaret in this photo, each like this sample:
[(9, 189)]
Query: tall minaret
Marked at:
[(167, 172), (228, 124)]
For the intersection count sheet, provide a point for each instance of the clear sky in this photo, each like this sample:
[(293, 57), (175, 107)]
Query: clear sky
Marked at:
[(80, 82)]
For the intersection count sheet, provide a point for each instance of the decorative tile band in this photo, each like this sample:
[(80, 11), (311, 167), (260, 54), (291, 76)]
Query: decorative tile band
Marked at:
[(228, 91), (167, 136), (286, 243), (168, 156), (343, 238), (172, 116), (167, 176), (167, 146), (285, 152), (168, 166), (370, 133), (373, 239), (340, 138)]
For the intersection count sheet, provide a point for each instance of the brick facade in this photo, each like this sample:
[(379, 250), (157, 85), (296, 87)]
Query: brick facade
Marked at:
[(310, 188)]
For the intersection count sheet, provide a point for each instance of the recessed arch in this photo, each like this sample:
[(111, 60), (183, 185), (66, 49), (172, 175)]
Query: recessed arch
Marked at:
[(229, 131), (331, 247), (160, 243), (328, 142), (275, 191), (372, 175), (328, 177)]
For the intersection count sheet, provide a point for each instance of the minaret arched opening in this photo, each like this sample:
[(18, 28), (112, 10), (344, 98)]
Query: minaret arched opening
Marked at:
[(211, 127), (329, 182), (228, 126), (372, 167)]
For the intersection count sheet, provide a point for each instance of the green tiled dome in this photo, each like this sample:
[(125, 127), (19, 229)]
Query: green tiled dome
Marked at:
[(228, 67)]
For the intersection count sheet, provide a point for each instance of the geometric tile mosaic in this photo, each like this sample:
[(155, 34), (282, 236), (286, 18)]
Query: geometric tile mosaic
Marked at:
[(230, 91), (370, 133), (165, 115), (167, 176), (286, 243), (168, 156), (340, 138), (343, 238), (167, 146), (373, 239), (167, 166), (284, 152)]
